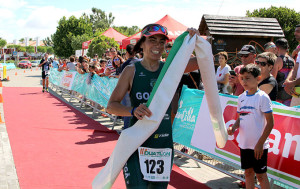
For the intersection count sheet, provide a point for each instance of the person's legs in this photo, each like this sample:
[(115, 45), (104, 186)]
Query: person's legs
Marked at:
[(43, 77), (47, 83), (263, 180), (249, 177)]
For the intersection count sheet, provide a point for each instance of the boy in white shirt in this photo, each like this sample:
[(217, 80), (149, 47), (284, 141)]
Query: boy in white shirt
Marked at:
[(255, 122)]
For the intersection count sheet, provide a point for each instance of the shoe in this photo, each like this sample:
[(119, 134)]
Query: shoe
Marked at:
[(184, 150), (43, 90), (242, 184), (47, 90)]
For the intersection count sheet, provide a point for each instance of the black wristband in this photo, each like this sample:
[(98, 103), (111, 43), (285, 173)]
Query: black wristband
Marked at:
[(132, 111)]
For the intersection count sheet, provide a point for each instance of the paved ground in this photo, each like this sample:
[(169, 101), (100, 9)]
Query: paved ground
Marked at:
[(8, 175)]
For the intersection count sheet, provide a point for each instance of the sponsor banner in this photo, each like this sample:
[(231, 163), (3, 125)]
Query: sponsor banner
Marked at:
[(284, 151), (67, 80), (98, 90)]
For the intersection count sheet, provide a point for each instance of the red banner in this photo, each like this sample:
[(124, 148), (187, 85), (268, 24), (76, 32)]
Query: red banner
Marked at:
[(284, 151)]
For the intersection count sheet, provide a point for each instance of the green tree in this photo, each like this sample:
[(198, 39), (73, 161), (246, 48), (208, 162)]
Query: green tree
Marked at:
[(2, 43), (66, 29), (30, 39), (50, 50), (76, 41), (42, 49), (21, 49), (100, 44), (29, 49), (287, 19), (128, 31), (99, 19), (22, 40)]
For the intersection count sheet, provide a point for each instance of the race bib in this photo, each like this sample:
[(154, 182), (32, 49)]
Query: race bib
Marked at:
[(155, 163)]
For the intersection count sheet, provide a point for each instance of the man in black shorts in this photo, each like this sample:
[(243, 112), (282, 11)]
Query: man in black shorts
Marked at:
[(45, 64)]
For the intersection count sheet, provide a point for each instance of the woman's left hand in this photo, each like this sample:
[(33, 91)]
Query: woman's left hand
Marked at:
[(193, 31)]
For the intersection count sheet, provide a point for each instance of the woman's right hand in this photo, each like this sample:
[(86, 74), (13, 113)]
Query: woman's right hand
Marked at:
[(141, 111)]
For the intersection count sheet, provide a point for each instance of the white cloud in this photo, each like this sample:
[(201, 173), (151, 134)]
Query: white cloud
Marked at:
[(12, 4)]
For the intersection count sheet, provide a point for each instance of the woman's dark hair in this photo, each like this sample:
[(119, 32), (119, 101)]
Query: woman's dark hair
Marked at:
[(80, 60), (113, 61), (129, 49), (137, 47)]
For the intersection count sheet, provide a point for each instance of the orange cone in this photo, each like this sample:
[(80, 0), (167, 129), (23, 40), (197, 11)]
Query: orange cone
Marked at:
[(37, 69), (0, 84), (1, 99), (16, 73), (24, 71), (31, 69), (7, 78)]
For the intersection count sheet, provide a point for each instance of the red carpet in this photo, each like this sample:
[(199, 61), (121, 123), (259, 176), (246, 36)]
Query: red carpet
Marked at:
[(55, 146)]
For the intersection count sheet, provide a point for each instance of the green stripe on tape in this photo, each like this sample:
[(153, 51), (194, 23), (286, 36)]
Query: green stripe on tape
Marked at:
[(176, 46), (227, 155), (285, 177), (289, 112)]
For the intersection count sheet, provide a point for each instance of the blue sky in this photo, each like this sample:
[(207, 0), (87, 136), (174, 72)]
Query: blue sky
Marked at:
[(39, 18)]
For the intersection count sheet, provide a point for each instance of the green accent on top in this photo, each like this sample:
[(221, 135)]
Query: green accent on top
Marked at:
[(232, 102), (176, 46), (289, 112)]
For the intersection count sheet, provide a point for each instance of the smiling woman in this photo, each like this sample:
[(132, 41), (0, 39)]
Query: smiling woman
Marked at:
[(139, 79)]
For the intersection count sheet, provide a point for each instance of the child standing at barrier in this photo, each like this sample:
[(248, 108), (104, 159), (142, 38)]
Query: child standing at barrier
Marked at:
[(255, 122)]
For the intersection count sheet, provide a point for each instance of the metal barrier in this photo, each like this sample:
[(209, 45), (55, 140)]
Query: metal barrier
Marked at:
[(83, 101)]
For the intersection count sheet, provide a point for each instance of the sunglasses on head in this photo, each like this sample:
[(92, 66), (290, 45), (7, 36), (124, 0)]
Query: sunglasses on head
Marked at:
[(261, 63), (155, 28), (117, 59), (167, 51)]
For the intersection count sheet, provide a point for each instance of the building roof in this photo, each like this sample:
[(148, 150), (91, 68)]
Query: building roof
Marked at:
[(240, 26)]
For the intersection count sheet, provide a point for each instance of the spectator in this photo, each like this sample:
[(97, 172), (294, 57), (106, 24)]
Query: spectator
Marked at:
[(222, 73), (84, 67), (168, 49), (55, 63), (247, 54), (63, 66), (102, 65), (109, 70), (270, 47), (113, 53), (297, 36), (124, 56), (71, 66), (283, 65), (130, 57), (255, 122), (268, 83), (117, 63), (293, 79), (95, 57)]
